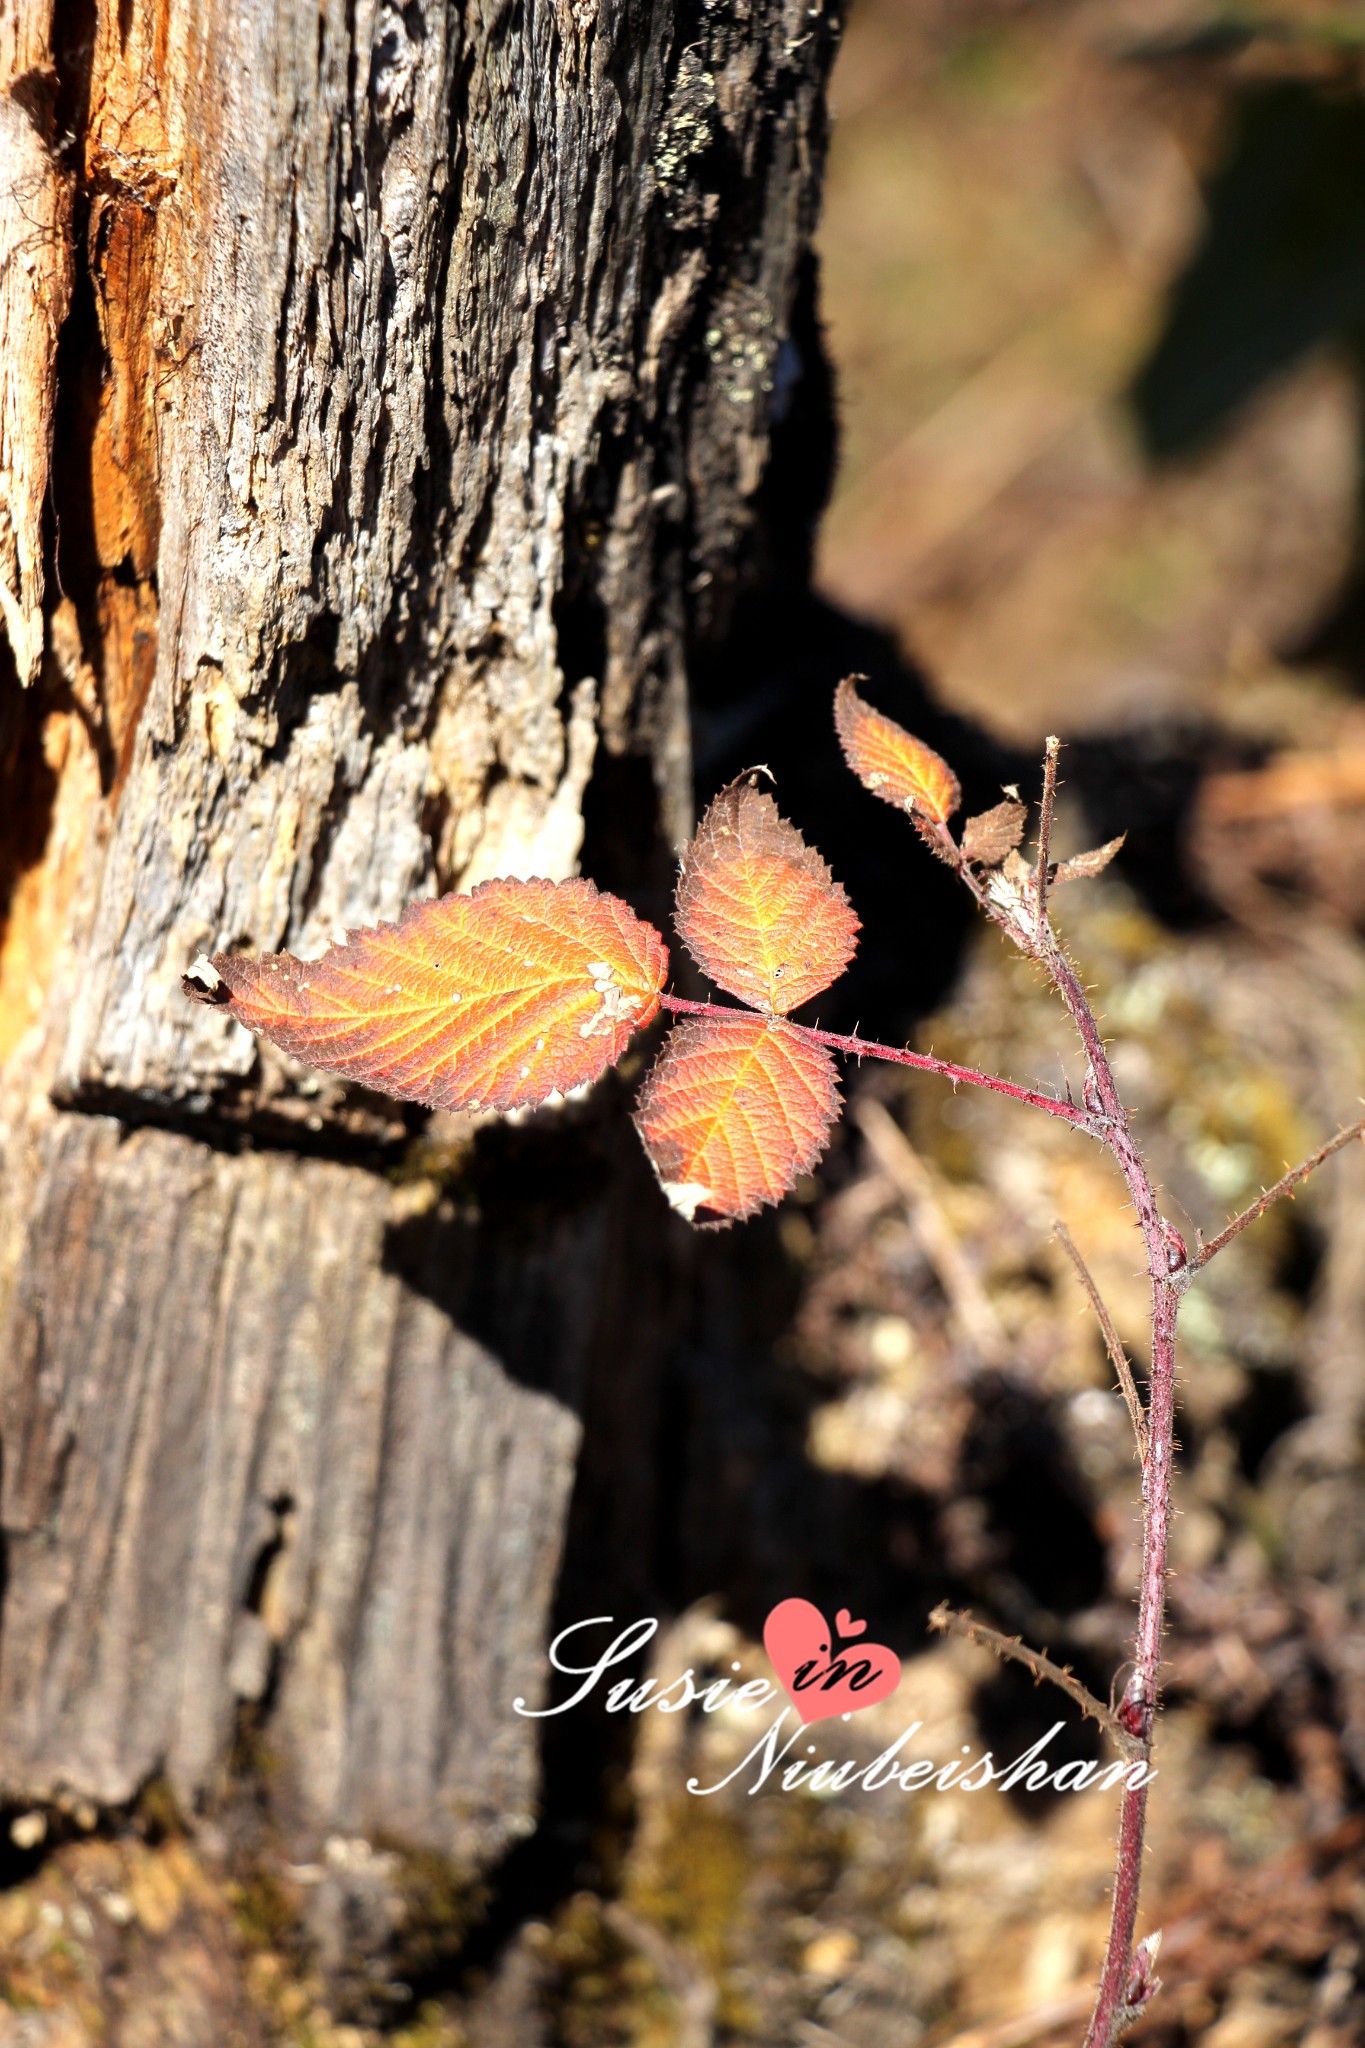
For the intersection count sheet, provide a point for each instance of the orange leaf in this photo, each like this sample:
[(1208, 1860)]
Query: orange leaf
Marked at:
[(732, 1111), (490, 1001), (758, 908), (891, 762)]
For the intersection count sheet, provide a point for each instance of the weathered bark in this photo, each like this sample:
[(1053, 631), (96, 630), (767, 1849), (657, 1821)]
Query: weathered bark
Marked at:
[(35, 291), (406, 375)]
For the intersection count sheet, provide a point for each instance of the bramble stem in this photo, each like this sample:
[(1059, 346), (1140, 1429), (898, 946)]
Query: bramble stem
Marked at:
[(1053, 748), (1284, 1186), (864, 1048), (951, 1622), (1167, 1269), (1127, 1982)]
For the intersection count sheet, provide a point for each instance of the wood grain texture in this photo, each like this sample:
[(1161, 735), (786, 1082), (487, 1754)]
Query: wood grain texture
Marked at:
[(412, 397), (469, 328), (249, 1456)]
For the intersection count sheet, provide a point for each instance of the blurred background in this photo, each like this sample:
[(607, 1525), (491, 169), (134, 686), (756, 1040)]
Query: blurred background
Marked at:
[(1093, 291), (1093, 284)]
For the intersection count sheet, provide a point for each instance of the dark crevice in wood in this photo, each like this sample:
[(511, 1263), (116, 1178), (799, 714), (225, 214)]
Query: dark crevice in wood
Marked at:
[(104, 213), (73, 54), (70, 539), (28, 783), (280, 1506), (305, 670)]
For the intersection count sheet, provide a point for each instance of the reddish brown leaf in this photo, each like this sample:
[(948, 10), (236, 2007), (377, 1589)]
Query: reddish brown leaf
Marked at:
[(891, 762), (1083, 865), (986, 839), (490, 1001), (733, 1110), (758, 908)]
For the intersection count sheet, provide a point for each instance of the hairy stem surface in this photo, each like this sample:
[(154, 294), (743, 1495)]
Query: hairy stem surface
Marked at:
[(1168, 1275), (864, 1048)]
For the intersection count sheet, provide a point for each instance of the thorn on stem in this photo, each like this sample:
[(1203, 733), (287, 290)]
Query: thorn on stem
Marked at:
[(1014, 1650), (1286, 1185)]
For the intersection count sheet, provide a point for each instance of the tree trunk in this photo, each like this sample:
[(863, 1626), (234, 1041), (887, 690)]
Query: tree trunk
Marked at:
[(384, 395)]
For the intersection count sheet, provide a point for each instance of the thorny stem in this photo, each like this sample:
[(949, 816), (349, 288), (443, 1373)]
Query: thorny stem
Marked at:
[(1013, 1648), (1127, 1982), (1168, 1273), (1053, 749), (1284, 1186), (1125, 1985), (864, 1048)]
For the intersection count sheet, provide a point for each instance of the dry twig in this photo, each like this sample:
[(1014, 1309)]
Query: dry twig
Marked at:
[(967, 1298), (1016, 1651), (1118, 1357)]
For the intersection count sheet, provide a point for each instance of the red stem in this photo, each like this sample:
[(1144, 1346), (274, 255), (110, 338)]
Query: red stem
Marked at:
[(1169, 1275), (1103, 1116), (1123, 1988), (1284, 1186), (864, 1048), (1138, 1707), (1122, 1992)]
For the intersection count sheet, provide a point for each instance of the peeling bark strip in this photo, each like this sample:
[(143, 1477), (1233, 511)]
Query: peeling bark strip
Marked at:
[(409, 372), (35, 291)]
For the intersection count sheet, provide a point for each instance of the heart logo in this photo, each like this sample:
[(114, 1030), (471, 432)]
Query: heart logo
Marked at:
[(820, 1675)]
